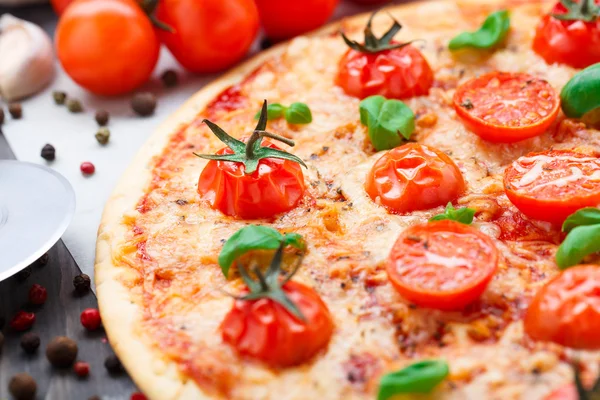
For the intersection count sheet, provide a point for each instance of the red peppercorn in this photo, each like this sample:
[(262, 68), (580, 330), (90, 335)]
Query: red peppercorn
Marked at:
[(90, 319), (138, 396), (87, 168), (37, 294), (22, 321), (82, 369)]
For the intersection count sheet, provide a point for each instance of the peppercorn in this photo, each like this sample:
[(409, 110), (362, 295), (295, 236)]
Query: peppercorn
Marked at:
[(1, 116), (87, 168), (22, 386), (169, 78), (23, 274), (102, 117), (48, 152), (82, 284), (61, 351), (37, 294), (15, 110), (22, 321), (265, 44), (59, 97), (90, 319), (82, 369), (143, 104), (43, 260), (103, 135), (74, 106), (30, 342), (113, 365)]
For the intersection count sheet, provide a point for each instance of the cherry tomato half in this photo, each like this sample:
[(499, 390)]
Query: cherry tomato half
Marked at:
[(265, 330), (551, 185), (275, 187), (107, 46), (397, 73), (567, 309), (575, 43), (289, 18), (443, 264), (414, 177), (506, 107), (208, 35)]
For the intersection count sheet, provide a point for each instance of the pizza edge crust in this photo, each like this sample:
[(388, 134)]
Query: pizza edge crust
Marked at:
[(156, 376)]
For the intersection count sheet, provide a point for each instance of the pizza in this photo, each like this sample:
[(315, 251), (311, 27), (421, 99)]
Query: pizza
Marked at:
[(400, 204)]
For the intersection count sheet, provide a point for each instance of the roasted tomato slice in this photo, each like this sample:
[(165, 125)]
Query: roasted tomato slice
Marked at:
[(506, 107), (551, 185), (443, 264), (572, 42), (263, 329), (399, 73), (414, 177), (567, 309)]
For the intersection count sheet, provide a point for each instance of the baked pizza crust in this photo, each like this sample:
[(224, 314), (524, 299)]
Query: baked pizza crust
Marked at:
[(155, 375)]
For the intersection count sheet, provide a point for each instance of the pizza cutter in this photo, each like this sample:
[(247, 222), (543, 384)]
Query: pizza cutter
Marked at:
[(36, 206)]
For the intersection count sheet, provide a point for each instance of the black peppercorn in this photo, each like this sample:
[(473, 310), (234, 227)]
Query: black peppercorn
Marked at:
[(61, 351), (1, 116), (15, 110), (30, 342), (113, 365), (102, 117), (82, 283), (169, 78), (74, 106), (265, 44), (103, 135), (43, 260), (48, 152), (22, 386), (23, 275), (59, 97), (143, 104)]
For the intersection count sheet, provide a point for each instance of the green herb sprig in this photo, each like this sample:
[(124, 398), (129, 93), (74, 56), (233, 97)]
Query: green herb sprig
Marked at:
[(492, 32), (420, 377), (390, 122), (583, 238), (296, 113), (463, 215)]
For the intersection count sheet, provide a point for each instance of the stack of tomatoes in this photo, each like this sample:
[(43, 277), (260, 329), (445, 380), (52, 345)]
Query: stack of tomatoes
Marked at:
[(111, 47)]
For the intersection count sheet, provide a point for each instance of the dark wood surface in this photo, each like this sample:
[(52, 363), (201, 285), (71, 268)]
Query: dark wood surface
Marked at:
[(59, 316)]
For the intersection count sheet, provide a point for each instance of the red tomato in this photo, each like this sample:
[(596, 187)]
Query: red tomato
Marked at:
[(506, 107), (275, 187), (443, 264), (575, 43), (59, 6), (208, 35), (265, 330), (414, 177), (107, 46), (397, 73), (551, 185), (285, 19), (565, 392), (567, 309)]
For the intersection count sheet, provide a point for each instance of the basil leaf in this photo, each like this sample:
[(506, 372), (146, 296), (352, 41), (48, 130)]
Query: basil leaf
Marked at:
[(274, 111), (493, 31), (254, 237), (585, 216), (388, 121), (581, 95), (298, 113), (420, 377), (580, 242), (463, 215)]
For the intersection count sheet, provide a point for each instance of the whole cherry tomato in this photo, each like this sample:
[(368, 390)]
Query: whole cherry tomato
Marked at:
[(551, 185), (574, 42), (208, 35), (59, 6), (567, 309), (285, 19), (264, 329), (442, 264), (506, 107), (107, 46), (414, 177)]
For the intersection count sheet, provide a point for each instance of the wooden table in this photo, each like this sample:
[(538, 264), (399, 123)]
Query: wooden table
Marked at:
[(59, 316)]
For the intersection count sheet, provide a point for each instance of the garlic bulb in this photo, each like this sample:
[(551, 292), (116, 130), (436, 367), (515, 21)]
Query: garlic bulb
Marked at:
[(26, 58)]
